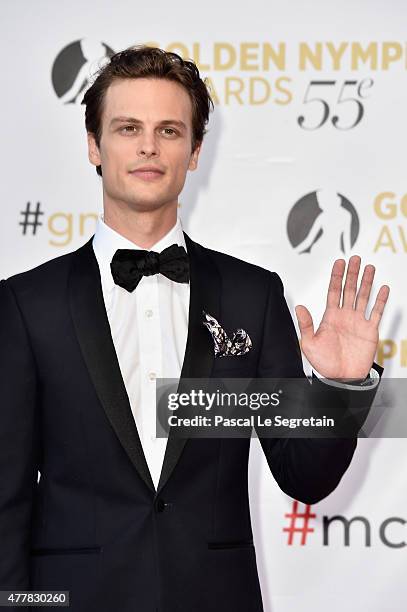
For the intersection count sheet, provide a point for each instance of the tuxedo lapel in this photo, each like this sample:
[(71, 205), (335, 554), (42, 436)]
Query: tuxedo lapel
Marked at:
[(205, 293), (94, 336), (95, 339)]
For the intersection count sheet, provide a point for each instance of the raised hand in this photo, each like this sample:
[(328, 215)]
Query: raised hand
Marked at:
[(345, 343)]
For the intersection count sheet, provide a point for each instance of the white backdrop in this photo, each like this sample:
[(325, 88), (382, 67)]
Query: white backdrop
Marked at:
[(286, 193)]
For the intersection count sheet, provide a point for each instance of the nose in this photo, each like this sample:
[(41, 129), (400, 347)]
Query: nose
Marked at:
[(147, 145)]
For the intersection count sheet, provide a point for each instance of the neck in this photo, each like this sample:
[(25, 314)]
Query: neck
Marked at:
[(143, 228)]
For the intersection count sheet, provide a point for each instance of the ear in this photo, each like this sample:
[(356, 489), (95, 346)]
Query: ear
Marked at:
[(93, 150), (193, 162)]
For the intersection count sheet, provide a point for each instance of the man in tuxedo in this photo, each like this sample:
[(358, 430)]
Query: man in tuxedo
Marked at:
[(122, 520)]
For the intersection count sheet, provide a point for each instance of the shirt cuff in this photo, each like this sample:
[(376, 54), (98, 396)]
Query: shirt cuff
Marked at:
[(368, 384)]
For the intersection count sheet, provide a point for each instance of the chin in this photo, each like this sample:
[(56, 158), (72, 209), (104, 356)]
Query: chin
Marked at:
[(153, 200), (144, 204)]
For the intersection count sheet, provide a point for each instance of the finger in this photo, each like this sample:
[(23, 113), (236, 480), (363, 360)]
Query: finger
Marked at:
[(380, 303), (351, 282), (305, 322), (335, 284), (365, 288)]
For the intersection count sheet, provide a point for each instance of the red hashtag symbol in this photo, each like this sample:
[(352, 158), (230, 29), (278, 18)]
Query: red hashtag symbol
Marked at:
[(304, 529)]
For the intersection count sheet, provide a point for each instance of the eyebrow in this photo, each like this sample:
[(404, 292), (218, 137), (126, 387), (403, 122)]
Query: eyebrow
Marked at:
[(176, 122)]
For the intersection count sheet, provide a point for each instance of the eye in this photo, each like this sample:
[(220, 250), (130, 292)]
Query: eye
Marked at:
[(169, 131), (128, 129)]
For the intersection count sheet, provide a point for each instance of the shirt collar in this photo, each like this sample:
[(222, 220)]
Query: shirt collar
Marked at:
[(106, 241)]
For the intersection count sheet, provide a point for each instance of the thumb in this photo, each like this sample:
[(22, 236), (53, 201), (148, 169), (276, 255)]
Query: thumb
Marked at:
[(305, 322)]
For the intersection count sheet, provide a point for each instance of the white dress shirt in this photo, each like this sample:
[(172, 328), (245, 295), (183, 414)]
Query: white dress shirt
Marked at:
[(149, 328)]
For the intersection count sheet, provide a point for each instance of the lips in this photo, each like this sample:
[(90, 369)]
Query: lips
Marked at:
[(147, 172)]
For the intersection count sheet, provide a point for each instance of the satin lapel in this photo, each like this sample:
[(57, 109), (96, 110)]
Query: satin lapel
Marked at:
[(205, 294), (94, 336)]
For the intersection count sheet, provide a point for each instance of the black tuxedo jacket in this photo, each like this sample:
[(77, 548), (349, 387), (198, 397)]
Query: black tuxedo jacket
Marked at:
[(93, 523)]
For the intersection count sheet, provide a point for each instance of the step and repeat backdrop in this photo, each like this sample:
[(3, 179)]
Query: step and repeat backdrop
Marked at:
[(304, 161)]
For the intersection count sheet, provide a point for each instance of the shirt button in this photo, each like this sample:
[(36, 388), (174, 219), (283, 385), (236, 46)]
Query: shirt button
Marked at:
[(152, 375), (149, 313)]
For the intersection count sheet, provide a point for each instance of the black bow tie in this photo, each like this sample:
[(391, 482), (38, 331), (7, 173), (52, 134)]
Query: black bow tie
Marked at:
[(128, 266)]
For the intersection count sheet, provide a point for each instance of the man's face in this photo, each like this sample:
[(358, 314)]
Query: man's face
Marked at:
[(145, 146)]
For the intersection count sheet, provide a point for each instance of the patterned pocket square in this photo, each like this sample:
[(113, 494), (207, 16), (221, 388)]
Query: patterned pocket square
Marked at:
[(239, 344)]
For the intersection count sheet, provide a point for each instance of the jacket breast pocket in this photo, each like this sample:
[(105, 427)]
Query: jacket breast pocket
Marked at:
[(233, 366)]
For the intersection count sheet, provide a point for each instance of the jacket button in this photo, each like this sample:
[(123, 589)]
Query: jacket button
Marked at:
[(160, 505)]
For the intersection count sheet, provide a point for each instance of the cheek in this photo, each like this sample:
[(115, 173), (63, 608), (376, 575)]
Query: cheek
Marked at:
[(183, 160), (181, 171), (115, 153)]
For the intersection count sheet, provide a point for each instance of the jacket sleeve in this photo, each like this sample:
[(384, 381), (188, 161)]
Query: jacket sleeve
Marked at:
[(18, 442), (306, 469)]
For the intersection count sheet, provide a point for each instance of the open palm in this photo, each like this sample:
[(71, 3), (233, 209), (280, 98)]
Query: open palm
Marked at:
[(345, 343)]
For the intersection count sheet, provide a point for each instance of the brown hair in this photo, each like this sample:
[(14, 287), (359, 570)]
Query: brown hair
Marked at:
[(141, 61)]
